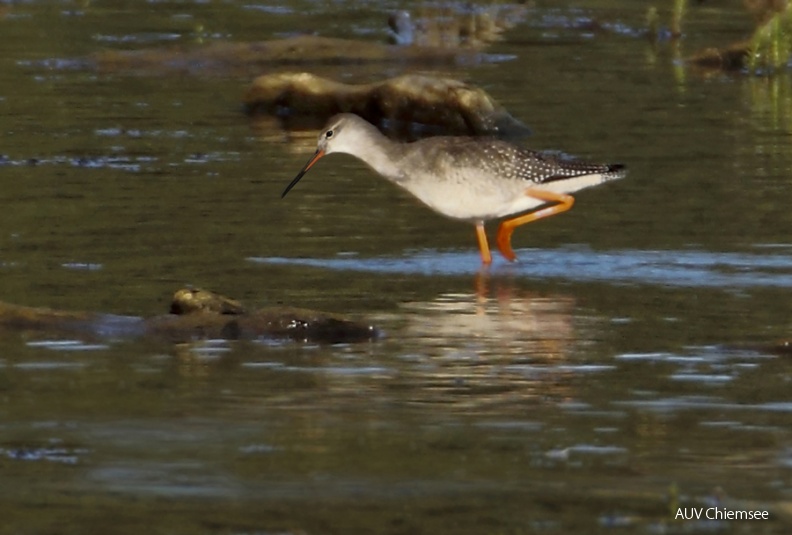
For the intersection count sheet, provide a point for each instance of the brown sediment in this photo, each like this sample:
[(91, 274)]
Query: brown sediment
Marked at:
[(264, 55)]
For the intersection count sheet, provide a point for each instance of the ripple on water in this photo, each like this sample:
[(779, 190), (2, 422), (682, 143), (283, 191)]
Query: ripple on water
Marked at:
[(143, 38), (211, 349), (711, 366), (701, 378), (64, 345), (51, 453), (82, 266), (585, 449), (363, 370), (672, 404), (671, 268), (171, 479)]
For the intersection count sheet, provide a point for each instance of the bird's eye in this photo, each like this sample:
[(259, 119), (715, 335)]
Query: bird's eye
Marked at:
[(328, 134)]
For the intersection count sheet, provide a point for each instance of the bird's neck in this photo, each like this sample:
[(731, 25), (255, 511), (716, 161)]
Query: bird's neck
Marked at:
[(381, 154)]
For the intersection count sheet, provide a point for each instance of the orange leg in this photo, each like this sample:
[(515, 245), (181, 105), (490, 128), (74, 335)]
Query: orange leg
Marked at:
[(486, 257), (482, 278), (506, 228)]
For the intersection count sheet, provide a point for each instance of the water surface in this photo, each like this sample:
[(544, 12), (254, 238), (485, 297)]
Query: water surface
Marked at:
[(626, 366)]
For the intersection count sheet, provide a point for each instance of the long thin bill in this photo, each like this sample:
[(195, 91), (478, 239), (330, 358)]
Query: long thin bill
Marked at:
[(318, 154)]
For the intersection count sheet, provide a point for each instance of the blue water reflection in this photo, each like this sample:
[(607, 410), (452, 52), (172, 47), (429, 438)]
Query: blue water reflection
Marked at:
[(671, 268)]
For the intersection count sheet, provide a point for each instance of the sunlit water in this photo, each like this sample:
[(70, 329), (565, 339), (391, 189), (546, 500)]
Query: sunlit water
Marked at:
[(628, 365)]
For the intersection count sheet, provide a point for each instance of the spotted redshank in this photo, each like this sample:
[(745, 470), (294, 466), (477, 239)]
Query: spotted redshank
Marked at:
[(473, 179)]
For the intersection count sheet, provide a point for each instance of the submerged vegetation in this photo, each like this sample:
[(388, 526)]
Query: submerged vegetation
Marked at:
[(768, 50), (771, 44)]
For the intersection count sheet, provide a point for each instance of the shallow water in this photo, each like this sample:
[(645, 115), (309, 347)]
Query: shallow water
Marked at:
[(626, 366)]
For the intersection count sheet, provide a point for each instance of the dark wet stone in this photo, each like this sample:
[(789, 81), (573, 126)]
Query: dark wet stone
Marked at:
[(442, 105), (199, 314), (731, 58)]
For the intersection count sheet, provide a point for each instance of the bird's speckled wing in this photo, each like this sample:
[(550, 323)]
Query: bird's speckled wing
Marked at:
[(506, 161)]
